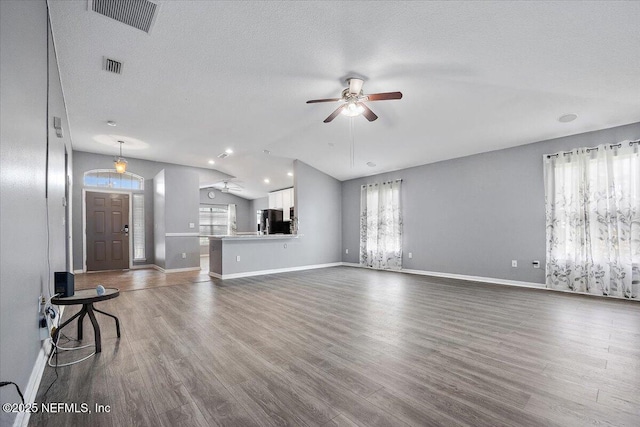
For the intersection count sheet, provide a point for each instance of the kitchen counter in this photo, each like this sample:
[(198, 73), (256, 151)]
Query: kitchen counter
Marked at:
[(245, 254), (254, 236)]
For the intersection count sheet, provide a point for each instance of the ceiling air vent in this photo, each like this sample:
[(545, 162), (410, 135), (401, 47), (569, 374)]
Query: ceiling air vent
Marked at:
[(112, 66), (139, 14)]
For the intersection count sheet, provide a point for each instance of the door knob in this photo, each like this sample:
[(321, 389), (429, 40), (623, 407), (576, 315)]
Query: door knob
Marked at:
[(125, 229)]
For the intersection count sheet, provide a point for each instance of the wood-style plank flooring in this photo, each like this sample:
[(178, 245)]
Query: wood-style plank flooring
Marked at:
[(352, 347)]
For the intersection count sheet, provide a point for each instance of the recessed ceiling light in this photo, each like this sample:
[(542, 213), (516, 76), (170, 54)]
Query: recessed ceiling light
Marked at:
[(567, 118), (371, 164), (266, 180), (289, 173), (212, 162), (266, 151), (111, 123), (228, 151)]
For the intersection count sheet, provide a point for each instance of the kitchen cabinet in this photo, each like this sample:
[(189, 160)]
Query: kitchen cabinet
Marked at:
[(282, 199)]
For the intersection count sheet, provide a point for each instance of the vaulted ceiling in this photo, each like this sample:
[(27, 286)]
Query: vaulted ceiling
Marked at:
[(476, 76)]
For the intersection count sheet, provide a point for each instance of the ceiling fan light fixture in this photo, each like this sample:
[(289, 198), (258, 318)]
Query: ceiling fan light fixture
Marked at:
[(352, 109), (120, 163)]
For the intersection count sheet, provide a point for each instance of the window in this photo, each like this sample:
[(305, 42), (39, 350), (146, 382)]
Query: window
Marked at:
[(593, 220), (109, 178), (381, 225), (214, 221), (138, 228)]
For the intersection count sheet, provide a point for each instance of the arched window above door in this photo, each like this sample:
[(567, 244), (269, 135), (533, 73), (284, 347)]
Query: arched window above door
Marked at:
[(109, 178)]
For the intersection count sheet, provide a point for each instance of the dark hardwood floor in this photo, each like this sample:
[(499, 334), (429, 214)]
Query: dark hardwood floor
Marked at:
[(352, 347)]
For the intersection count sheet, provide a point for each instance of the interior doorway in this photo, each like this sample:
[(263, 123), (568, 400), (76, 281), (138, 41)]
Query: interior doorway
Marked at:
[(106, 231)]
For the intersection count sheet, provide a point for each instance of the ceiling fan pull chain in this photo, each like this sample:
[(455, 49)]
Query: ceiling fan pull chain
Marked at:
[(353, 149)]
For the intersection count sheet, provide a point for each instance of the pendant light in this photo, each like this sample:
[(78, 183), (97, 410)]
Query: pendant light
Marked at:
[(120, 163)]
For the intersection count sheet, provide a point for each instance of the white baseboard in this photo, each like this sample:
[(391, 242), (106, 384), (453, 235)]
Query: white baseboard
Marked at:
[(78, 271), (31, 391), (141, 266), (476, 279), (459, 276), (174, 270), (273, 271)]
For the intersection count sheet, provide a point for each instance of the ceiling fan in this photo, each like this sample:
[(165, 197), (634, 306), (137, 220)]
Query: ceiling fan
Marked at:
[(353, 101), (226, 188)]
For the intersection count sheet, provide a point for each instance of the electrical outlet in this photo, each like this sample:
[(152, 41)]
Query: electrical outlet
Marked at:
[(192, 225), (536, 264), (514, 263), (238, 258), (285, 246), (346, 251), (410, 255), (184, 255)]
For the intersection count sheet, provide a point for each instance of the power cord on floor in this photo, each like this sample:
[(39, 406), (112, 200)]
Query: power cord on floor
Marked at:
[(4, 383)]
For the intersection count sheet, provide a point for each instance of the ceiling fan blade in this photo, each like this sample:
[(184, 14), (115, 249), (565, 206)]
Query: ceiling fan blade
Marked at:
[(367, 113), (335, 113), (314, 101), (384, 96)]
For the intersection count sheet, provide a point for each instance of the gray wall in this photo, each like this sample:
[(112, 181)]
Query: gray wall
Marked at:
[(83, 162), (318, 203), (158, 223), (475, 214), (182, 202), (257, 204), (243, 216), (24, 272)]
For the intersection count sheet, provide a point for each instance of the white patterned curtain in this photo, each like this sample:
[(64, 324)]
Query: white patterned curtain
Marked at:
[(233, 224), (381, 225), (593, 220)]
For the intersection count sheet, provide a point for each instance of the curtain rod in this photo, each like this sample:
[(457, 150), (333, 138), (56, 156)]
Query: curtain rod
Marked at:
[(384, 182), (588, 150)]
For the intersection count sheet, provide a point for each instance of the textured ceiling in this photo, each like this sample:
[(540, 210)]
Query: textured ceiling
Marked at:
[(476, 76)]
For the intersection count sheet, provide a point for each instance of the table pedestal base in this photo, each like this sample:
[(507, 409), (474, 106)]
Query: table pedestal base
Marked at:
[(88, 309)]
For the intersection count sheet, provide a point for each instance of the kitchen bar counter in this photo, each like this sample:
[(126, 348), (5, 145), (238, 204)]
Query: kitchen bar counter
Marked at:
[(248, 254), (254, 236)]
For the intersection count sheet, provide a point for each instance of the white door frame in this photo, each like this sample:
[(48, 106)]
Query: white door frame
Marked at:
[(84, 222)]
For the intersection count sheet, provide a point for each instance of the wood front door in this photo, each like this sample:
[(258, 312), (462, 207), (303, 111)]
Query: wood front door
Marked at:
[(107, 225)]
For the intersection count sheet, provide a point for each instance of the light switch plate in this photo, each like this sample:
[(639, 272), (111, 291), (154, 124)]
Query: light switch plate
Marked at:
[(514, 263), (192, 225)]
